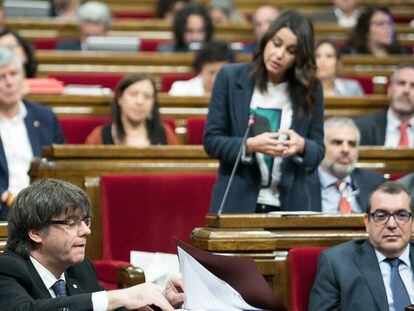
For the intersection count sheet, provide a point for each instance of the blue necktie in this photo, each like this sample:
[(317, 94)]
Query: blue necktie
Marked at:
[(59, 288), (399, 292)]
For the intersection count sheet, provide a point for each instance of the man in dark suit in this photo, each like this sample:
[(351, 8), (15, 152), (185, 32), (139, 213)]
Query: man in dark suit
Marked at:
[(338, 186), (393, 127), (44, 265), (374, 273), (24, 129), (93, 19)]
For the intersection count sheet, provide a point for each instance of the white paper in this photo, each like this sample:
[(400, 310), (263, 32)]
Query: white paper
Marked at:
[(158, 267), (205, 291)]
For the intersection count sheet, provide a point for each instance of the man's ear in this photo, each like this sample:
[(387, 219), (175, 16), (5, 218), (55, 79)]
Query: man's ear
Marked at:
[(36, 235), (366, 220)]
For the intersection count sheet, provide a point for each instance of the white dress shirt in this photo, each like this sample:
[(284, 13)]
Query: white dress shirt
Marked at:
[(17, 149), (344, 20), (405, 271), (99, 299), (393, 133), (192, 87)]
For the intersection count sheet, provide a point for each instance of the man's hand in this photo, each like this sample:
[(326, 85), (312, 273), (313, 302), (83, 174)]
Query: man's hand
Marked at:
[(174, 291)]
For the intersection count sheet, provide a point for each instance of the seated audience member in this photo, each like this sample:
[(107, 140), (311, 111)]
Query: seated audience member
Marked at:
[(262, 18), (223, 11), (393, 127), (93, 19), (327, 64), (24, 129), (64, 9), (44, 266), (374, 273), (408, 182), (374, 34), (207, 64), (135, 115), (2, 17), (342, 12), (23, 49), (191, 27), (166, 9), (340, 186)]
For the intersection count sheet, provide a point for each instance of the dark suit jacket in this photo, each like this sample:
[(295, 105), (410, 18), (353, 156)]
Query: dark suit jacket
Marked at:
[(21, 287), (68, 45), (362, 180), (226, 123), (325, 17), (349, 278), (43, 129), (372, 128)]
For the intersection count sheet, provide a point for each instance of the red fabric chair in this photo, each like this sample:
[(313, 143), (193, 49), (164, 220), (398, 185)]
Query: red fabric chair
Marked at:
[(45, 43), (366, 82), (151, 45), (195, 131), (168, 79), (77, 129), (109, 80), (145, 212), (303, 263)]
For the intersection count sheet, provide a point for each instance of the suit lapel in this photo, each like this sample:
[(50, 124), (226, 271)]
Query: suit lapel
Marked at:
[(381, 128), (3, 161), (357, 185), (242, 97), (72, 286), (367, 263), (32, 126), (40, 287)]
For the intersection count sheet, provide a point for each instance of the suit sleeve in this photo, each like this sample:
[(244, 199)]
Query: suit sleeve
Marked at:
[(219, 142), (325, 293), (58, 137)]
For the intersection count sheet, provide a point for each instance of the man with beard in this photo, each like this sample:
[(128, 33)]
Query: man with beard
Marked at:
[(339, 186), (393, 127)]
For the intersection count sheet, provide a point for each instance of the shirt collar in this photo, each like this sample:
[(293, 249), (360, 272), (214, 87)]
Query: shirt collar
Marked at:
[(21, 115), (47, 277), (393, 122), (326, 180), (404, 257)]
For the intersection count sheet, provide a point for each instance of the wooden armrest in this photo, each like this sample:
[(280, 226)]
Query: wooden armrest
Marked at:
[(130, 276)]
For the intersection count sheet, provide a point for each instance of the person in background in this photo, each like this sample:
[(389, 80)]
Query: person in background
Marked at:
[(2, 17), (342, 12), (223, 11), (64, 9), (135, 115), (207, 63), (341, 187), (93, 19), (392, 127), (327, 64), (192, 27), (23, 49), (374, 273), (166, 9), (279, 86), (44, 265), (262, 18), (374, 34), (24, 129)]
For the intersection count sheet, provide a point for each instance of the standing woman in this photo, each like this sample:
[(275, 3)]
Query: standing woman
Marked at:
[(276, 163), (135, 116)]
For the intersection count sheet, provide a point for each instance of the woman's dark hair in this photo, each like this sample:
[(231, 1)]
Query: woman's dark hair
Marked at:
[(30, 65), (163, 7), (180, 22), (332, 44), (358, 39), (211, 52), (301, 77), (155, 128)]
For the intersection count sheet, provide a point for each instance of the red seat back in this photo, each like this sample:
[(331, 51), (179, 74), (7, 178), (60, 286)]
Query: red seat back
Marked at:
[(145, 212), (195, 131), (109, 80), (366, 82), (77, 129), (303, 263)]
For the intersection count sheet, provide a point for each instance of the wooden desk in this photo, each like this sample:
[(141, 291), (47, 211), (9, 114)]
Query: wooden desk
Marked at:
[(83, 165), (3, 235), (268, 238)]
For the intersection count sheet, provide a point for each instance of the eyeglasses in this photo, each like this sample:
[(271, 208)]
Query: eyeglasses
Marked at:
[(72, 223), (382, 217)]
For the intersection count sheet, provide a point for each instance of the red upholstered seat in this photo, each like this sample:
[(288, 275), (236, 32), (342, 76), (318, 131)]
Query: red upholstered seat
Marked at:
[(45, 43), (169, 78), (77, 129), (145, 212), (366, 82), (195, 131), (109, 80), (303, 264)]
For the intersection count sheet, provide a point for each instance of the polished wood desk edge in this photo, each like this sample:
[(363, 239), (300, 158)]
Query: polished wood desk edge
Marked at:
[(3, 228)]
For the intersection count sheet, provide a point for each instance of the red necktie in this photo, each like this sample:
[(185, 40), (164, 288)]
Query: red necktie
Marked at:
[(343, 206), (403, 142)]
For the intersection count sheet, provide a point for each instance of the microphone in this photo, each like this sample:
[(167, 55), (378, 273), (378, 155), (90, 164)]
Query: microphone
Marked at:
[(236, 164)]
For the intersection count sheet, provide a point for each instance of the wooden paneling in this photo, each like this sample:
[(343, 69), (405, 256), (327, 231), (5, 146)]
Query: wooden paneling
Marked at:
[(3, 235)]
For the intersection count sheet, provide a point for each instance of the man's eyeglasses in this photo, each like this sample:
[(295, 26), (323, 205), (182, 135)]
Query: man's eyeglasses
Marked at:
[(72, 223), (382, 217)]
